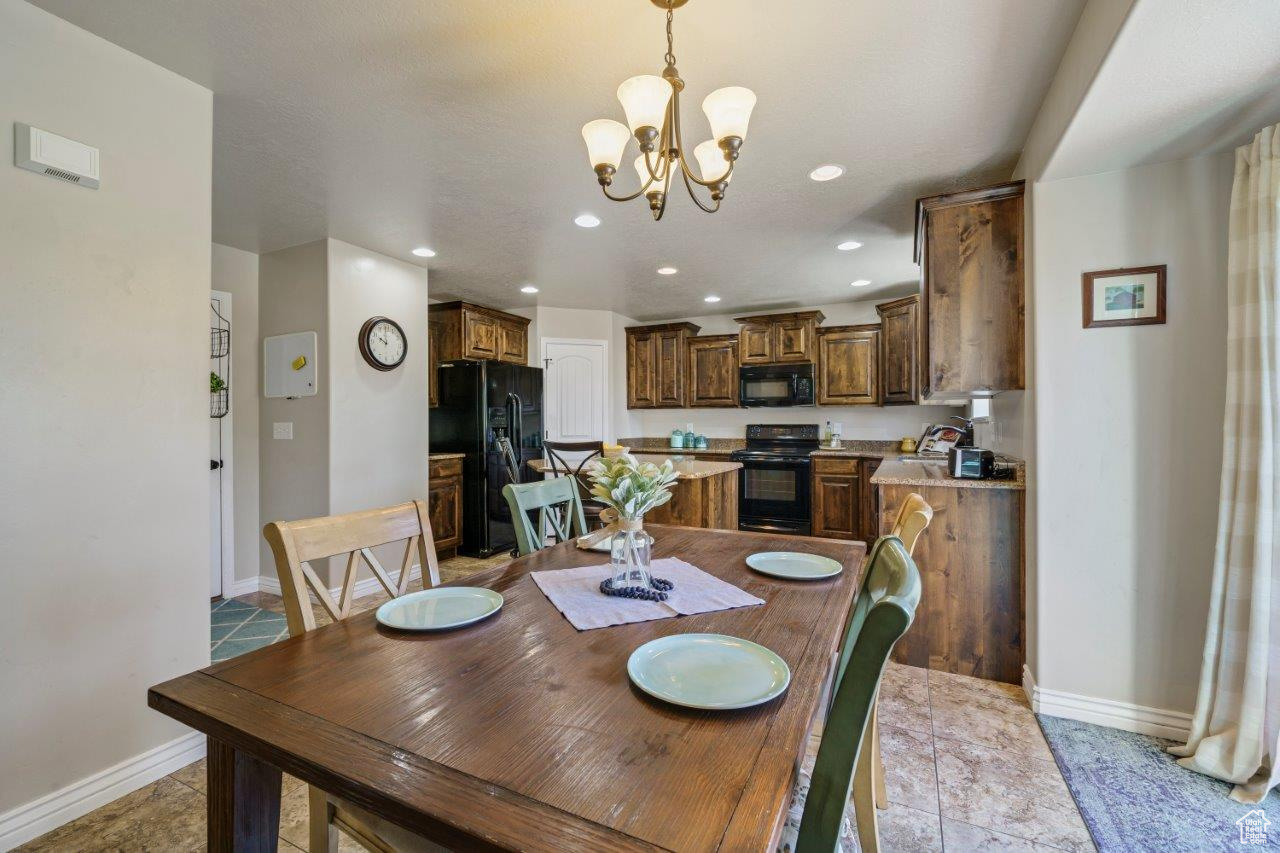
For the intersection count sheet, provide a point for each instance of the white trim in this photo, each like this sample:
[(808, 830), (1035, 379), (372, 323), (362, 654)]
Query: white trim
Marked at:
[(271, 584), (51, 811), (1159, 722), (242, 587), (226, 474)]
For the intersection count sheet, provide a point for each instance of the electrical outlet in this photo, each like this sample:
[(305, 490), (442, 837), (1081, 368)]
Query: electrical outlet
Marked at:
[(282, 430)]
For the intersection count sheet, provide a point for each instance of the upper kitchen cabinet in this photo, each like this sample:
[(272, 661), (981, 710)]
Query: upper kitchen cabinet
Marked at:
[(713, 371), (900, 350), (778, 338), (849, 365), (657, 364), (433, 364), (475, 332), (969, 247)]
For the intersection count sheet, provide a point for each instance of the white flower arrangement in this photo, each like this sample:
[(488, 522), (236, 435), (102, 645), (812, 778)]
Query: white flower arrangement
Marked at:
[(632, 487)]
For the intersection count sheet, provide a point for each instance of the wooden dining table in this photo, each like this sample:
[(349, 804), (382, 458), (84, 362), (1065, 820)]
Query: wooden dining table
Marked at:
[(520, 732)]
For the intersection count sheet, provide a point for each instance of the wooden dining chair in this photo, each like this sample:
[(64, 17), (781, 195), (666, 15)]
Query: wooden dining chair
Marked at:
[(355, 535), (882, 613), (558, 504), (562, 467), (913, 517)]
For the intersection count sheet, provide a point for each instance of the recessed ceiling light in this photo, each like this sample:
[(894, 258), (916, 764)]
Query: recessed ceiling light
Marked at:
[(848, 245), (711, 299), (528, 288), (586, 220), (424, 252), (829, 172), (667, 270), (862, 282)]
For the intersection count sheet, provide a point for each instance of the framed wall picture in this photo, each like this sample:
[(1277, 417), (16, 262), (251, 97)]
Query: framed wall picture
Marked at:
[(1125, 297)]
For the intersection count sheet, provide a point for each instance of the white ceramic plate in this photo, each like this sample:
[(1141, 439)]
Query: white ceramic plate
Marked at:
[(711, 672), (788, 564), (439, 609)]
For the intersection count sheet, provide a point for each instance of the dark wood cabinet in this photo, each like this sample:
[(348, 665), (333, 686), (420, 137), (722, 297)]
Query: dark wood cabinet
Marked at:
[(657, 364), (713, 371), (778, 338), (475, 332), (849, 365), (900, 350), (444, 504), (433, 365), (836, 505), (970, 249)]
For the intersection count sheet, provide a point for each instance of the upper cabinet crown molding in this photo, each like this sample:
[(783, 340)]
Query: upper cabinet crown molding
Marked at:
[(778, 338), (471, 331), (970, 249)]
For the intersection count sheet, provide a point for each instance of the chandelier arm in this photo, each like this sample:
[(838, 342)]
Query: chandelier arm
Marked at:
[(631, 197), (688, 173), (688, 186)]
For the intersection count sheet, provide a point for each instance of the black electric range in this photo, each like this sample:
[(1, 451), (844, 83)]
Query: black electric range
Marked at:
[(773, 483)]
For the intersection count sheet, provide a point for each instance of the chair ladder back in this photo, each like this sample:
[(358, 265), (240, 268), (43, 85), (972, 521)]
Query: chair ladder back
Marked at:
[(556, 500), (560, 466), (354, 535)]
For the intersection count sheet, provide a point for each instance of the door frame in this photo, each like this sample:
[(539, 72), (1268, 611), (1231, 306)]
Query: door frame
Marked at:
[(227, 472), (607, 422)]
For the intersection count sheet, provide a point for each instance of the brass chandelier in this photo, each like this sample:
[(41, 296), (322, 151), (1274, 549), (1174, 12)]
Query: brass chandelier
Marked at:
[(652, 107)]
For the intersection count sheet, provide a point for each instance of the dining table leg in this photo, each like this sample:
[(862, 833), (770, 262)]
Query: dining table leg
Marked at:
[(243, 801)]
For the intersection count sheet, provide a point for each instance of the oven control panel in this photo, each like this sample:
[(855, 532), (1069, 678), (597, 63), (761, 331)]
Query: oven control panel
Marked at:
[(782, 432)]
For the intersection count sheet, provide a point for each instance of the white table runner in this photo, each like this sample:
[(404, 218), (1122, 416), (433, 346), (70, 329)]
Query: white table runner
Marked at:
[(576, 594)]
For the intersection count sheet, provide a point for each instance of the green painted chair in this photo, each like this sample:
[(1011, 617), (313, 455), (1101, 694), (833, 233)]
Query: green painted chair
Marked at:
[(558, 504), (884, 610)]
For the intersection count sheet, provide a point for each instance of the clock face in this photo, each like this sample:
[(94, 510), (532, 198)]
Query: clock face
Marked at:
[(382, 343)]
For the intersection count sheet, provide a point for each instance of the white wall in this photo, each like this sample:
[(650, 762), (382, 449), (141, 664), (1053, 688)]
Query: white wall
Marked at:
[(377, 420), (236, 272), (104, 426), (1130, 437)]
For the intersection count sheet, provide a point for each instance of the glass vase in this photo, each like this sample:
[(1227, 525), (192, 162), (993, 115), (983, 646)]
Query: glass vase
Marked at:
[(630, 554)]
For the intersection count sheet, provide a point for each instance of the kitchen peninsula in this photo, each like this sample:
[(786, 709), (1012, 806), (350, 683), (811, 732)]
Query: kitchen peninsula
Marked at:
[(705, 493)]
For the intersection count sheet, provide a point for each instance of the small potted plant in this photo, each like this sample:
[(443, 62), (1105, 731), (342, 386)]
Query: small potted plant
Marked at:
[(630, 488)]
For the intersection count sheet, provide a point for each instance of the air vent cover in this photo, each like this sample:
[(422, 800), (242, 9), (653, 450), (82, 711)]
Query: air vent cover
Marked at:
[(56, 156)]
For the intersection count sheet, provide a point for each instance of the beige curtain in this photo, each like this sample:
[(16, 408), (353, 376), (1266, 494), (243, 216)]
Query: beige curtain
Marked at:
[(1235, 734)]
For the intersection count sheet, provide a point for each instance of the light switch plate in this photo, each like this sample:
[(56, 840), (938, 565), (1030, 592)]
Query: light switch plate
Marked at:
[(282, 430)]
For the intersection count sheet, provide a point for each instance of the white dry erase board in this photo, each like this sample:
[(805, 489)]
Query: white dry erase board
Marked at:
[(289, 365)]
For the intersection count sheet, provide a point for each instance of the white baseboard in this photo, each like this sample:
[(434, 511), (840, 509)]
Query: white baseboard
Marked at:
[(370, 584), (37, 817), (244, 586), (1174, 725)]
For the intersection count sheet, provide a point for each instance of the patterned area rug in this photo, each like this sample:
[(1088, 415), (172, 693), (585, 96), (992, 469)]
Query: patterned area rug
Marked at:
[(1133, 795), (238, 628)]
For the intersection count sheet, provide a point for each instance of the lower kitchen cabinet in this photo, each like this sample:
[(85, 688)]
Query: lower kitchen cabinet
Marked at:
[(444, 504)]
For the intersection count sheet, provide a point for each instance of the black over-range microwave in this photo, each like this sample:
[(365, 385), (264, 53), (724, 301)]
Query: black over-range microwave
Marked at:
[(776, 385)]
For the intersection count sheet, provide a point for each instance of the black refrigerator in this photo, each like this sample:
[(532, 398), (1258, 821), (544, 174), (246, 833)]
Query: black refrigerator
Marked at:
[(480, 403)]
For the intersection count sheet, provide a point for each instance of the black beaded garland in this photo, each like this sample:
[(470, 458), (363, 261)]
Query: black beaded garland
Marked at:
[(656, 592)]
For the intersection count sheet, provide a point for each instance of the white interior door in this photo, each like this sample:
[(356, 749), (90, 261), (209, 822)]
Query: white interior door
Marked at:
[(575, 390), (221, 552)]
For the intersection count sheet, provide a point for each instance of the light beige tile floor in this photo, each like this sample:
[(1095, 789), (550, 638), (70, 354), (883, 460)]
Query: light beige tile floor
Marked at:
[(966, 768)]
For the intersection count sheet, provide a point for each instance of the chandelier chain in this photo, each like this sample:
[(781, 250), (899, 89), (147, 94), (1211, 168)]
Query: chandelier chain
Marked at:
[(671, 56)]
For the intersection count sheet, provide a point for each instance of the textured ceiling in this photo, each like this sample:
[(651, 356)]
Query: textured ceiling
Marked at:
[(390, 124), (1181, 79)]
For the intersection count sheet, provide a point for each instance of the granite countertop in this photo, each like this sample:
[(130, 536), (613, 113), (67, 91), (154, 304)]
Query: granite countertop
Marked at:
[(933, 472), (440, 457), (687, 469)]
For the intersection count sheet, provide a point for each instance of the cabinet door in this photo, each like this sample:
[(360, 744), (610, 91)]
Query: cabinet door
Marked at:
[(793, 340), (900, 342), (849, 368), (433, 365), (515, 343), (837, 509), (669, 369), (480, 336), (713, 372), (640, 370), (755, 343), (444, 508)]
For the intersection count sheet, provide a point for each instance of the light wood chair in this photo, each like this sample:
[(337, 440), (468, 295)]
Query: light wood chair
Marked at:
[(913, 517), (356, 534)]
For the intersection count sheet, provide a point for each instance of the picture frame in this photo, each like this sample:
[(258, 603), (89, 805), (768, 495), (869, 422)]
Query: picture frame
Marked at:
[(1131, 296)]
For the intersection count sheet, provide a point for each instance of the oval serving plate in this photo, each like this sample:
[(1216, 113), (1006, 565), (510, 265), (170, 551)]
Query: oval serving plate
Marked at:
[(439, 609), (710, 672), (795, 566)]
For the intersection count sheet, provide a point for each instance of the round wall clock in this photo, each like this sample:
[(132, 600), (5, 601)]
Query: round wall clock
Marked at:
[(382, 343)]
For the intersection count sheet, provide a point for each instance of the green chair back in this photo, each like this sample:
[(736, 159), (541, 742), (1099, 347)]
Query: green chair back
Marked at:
[(883, 612), (557, 502)]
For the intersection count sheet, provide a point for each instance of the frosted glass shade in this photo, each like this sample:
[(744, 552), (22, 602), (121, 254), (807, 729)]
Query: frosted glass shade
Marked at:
[(729, 110), (644, 100), (605, 140), (711, 161), (643, 172)]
